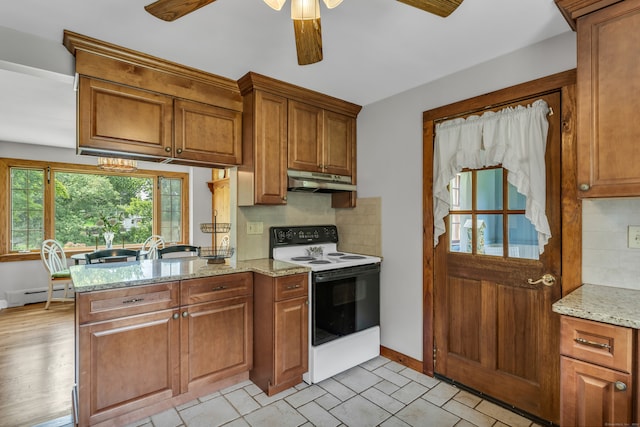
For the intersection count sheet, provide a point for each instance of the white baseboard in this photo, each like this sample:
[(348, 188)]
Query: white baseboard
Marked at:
[(30, 296)]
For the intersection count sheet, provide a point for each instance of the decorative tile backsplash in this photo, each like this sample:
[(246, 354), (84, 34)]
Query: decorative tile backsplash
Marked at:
[(359, 229), (606, 258)]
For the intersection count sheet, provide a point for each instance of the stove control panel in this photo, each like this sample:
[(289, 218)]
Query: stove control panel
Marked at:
[(302, 235)]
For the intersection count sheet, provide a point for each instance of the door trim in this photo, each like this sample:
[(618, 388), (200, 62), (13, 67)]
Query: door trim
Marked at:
[(571, 215)]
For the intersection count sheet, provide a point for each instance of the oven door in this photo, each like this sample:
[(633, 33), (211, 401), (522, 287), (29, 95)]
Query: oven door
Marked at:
[(344, 301)]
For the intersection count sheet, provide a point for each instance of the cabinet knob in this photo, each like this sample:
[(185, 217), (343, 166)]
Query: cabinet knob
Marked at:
[(185, 314), (176, 315), (620, 386), (583, 187), (167, 149), (284, 198), (179, 150)]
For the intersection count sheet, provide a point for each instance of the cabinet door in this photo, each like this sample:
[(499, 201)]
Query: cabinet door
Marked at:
[(127, 364), (216, 341), (270, 149), (593, 396), (119, 118), (339, 143), (291, 346), (608, 102), (207, 134), (305, 137)]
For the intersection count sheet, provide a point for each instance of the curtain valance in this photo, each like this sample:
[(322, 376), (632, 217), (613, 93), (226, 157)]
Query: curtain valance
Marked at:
[(515, 137)]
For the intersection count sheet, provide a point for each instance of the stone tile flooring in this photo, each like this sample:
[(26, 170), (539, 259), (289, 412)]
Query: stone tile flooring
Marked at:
[(376, 393)]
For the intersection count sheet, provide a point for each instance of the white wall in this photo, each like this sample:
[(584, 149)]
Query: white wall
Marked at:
[(390, 167), (31, 274)]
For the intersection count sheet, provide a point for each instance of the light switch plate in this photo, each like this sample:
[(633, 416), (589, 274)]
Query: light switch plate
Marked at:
[(255, 227), (634, 236)]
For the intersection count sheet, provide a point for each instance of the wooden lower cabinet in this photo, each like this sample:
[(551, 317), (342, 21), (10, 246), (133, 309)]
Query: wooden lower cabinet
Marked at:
[(143, 349), (216, 341), (593, 395), (281, 324), (597, 374)]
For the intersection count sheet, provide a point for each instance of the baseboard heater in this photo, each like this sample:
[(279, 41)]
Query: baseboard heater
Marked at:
[(31, 296)]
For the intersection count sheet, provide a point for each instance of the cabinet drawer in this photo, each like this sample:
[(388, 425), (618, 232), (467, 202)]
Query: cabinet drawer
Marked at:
[(599, 343), (291, 286), (215, 288), (114, 303)]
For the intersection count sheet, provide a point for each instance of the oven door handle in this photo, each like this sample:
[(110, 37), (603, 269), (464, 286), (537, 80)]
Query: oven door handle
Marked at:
[(342, 273)]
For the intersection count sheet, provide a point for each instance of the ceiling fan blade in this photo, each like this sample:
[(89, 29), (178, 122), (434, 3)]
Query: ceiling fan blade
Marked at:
[(308, 34), (170, 10), (441, 8)]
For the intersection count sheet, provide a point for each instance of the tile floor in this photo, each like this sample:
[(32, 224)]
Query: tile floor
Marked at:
[(376, 393)]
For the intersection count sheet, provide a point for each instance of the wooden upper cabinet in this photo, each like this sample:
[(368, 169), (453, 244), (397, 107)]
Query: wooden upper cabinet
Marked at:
[(116, 118), (207, 134), (339, 143), (290, 127), (137, 106), (320, 140), (305, 137), (608, 102), (262, 179)]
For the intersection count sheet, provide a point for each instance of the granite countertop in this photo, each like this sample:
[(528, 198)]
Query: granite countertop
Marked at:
[(96, 277), (616, 306)]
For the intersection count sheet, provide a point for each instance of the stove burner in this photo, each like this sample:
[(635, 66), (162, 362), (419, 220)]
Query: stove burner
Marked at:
[(335, 254), (302, 258), (352, 257), (320, 261)]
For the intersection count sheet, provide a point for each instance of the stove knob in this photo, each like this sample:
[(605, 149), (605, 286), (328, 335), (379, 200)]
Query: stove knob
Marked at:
[(289, 234), (316, 234)]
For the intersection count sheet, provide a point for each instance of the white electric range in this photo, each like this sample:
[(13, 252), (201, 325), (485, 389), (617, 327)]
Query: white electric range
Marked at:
[(344, 297)]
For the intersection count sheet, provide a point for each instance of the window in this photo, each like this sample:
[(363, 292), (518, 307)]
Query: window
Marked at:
[(72, 204), (487, 216)]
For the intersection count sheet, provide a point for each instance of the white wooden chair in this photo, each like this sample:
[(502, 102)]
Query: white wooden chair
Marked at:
[(55, 261), (150, 247)]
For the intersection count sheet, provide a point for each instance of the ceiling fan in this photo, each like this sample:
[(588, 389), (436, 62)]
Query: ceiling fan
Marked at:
[(304, 13)]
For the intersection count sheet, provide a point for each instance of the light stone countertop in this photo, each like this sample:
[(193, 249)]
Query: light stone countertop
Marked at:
[(616, 306), (96, 277)]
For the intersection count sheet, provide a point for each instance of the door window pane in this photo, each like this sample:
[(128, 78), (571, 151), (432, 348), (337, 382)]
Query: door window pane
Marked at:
[(516, 200), (489, 233), (459, 238), (523, 238), (489, 189), (460, 190), (27, 209)]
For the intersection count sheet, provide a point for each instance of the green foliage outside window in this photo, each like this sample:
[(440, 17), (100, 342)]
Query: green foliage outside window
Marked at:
[(81, 205), (27, 209), (84, 202)]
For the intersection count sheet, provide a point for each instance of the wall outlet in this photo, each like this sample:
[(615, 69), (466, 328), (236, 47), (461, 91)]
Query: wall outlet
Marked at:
[(634, 236), (255, 227)]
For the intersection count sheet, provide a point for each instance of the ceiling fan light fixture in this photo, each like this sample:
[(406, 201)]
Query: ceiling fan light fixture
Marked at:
[(305, 9), (332, 3), (275, 4)]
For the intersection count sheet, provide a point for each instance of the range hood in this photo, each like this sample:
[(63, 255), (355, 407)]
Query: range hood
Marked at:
[(316, 182)]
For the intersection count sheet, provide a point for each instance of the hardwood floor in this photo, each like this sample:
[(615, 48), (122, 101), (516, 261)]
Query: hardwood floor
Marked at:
[(36, 363)]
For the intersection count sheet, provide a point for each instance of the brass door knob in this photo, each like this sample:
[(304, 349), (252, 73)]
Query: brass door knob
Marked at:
[(546, 279)]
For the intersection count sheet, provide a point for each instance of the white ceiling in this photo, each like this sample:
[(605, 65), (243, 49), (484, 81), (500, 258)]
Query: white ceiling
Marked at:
[(372, 48)]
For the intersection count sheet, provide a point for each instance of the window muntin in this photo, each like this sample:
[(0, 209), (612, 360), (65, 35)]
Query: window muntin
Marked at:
[(487, 219), (30, 223)]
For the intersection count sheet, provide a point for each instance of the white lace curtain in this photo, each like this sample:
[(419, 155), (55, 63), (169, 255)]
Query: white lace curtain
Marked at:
[(515, 137)]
